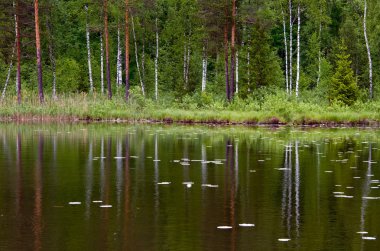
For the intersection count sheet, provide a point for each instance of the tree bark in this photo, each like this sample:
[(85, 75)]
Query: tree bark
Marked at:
[(290, 48), (286, 52), (38, 52), (156, 63), (126, 51), (237, 73), (8, 74), (108, 70), (298, 48), (204, 69), (89, 52), (233, 52), (137, 58), (119, 72), (101, 64), (226, 64), (184, 64), (368, 50), (18, 51)]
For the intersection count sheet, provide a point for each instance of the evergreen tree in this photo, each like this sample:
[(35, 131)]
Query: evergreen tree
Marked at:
[(343, 85)]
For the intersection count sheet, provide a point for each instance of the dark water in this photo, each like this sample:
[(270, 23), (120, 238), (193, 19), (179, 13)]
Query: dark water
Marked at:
[(317, 188)]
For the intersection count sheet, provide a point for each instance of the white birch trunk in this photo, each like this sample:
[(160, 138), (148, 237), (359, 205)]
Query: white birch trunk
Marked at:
[(184, 64), (119, 74), (188, 65), (290, 47), (101, 64), (249, 70), (204, 70), (298, 48), (9, 73), (143, 61), (89, 53), (156, 64), (368, 50), (237, 72), (286, 52), (137, 58)]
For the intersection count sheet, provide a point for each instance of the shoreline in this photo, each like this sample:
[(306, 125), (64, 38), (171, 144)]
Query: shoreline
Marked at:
[(272, 122)]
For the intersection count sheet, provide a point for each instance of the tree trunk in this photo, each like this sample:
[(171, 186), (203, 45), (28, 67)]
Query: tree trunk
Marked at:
[(119, 72), (226, 66), (18, 51), (233, 53), (237, 73), (143, 60), (184, 65), (126, 51), (286, 52), (9, 73), (101, 64), (290, 48), (368, 50), (156, 63), (204, 69), (249, 69), (188, 64), (38, 52), (298, 48), (108, 70), (137, 58), (89, 52)]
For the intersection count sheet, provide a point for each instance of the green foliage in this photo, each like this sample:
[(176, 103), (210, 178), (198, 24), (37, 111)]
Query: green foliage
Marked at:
[(69, 74), (196, 25), (264, 68), (343, 88)]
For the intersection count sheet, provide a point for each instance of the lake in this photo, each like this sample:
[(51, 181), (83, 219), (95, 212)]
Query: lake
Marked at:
[(157, 187)]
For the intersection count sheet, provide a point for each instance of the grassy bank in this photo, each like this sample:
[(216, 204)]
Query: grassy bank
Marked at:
[(274, 109)]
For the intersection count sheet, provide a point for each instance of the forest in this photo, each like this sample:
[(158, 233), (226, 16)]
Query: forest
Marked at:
[(233, 60)]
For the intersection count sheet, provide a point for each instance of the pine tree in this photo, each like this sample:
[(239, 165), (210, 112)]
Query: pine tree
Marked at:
[(343, 85)]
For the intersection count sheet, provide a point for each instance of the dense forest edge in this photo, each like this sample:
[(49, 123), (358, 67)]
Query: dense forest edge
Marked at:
[(300, 62)]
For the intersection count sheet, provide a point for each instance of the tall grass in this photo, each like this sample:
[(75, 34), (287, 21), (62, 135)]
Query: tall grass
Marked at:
[(199, 108)]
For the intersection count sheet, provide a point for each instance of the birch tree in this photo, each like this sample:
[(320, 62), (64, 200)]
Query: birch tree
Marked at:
[(137, 58), (119, 73), (204, 68), (8, 74), (12, 56), (89, 51), (368, 50), (101, 64), (156, 63), (298, 47)]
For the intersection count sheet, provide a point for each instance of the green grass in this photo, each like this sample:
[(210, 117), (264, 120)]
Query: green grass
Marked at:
[(273, 109)]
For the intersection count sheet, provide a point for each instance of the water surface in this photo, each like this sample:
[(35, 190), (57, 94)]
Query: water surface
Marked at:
[(170, 188)]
